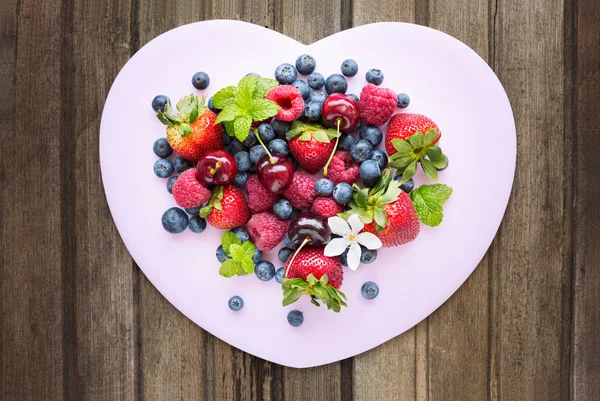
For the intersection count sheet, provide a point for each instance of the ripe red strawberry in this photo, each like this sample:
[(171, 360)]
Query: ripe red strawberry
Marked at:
[(227, 208), (260, 199), (326, 207), (192, 132), (312, 273), (301, 191), (403, 125), (290, 102), (377, 104), (311, 145), (266, 230), (343, 169)]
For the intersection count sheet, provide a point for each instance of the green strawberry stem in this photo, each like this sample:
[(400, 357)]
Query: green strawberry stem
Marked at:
[(263, 145), (306, 241), (337, 139)]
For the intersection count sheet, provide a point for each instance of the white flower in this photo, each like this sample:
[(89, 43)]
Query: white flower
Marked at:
[(351, 237)]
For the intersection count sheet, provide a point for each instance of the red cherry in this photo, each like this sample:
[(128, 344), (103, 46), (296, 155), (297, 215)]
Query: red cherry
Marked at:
[(275, 172), (310, 228), (216, 168), (338, 106)]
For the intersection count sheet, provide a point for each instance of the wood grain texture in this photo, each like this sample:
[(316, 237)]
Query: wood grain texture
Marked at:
[(586, 297)]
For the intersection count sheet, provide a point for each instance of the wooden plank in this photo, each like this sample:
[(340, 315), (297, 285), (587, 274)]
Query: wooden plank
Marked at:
[(458, 330), (106, 326), (367, 11), (586, 297), (32, 258), (529, 322)]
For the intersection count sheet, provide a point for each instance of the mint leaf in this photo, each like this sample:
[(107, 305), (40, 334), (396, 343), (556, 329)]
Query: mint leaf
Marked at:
[(249, 249), (243, 95), (263, 109), (227, 114), (229, 239), (428, 201), (236, 252), (229, 128), (241, 127), (429, 169), (224, 97), (229, 268), (247, 265), (263, 86)]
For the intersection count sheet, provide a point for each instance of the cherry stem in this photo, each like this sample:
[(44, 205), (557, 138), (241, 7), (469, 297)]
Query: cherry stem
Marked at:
[(214, 169), (337, 139), (263, 145), (306, 241)]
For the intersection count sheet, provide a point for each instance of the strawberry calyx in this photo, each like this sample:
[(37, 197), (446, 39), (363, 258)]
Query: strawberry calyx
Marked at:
[(417, 149), (214, 202), (368, 203), (188, 109), (305, 132), (317, 289)]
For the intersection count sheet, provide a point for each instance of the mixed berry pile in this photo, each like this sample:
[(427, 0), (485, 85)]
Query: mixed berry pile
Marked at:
[(297, 160)]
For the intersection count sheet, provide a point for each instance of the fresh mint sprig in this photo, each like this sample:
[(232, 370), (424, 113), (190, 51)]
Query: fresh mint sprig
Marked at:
[(241, 262), (418, 149), (428, 201)]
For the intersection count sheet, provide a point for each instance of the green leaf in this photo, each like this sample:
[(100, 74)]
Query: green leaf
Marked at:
[(163, 118), (321, 136), (227, 114), (263, 109), (391, 194), (241, 126), (416, 140), (224, 97), (205, 211), (360, 197), (263, 86), (292, 297), (380, 216), (186, 104), (409, 172), (428, 201), (249, 249), (305, 137), (321, 291), (247, 265), (229, 239), (429, 169), (185, 129), (437, 157), (398, 144), (430, 136), (243, 95), (229, 128), (236, 252), (229, 268)]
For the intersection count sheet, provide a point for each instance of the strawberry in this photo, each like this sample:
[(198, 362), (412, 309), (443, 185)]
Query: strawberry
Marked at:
[(311, 145), (403, 125), (227, 208), (312, 273), (386, 210), (192, 132)]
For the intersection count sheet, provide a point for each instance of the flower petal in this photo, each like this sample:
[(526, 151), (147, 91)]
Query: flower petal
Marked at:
[(335, 247), (369, 240), (355, 223), (338, 225), (354, 256)]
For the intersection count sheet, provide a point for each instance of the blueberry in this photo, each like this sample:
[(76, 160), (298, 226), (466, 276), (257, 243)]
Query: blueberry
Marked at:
[(242, 234), (200, 80), (347, 142), (344, 257), (193, 210), (242, 159), (283, 209), (288, 243), (264, 270), (250, 139), (170, 183), (374, 76), (361, 151), (336, 83), (221, 255), (180, 164), (370, 172), (295, 318), (312, 111), (342, 193), (266, 133), (380, 157), (367, 255), (318, 96), (211, 107), (174, 220), (349, 68), (236, 303), (163, 168), (372, 134), (305, 64), (197, 224), (324, 187), (159, 102), (408, 186), (445, 167), (369, 290), (286, 74), (355, 97), (284, 254), (280, 127), (295, 214), (303, 87), (240, 179), (278, 146), (403, 100), (316, 80), (235, 146), (279, 274), (257, 255), (162, 148), (257, 153)]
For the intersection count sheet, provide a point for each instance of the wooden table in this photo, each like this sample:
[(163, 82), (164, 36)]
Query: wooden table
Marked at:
[(79, 321)]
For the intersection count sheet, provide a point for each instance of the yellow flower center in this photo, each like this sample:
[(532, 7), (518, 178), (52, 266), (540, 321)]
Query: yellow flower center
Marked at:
[(352, 237)]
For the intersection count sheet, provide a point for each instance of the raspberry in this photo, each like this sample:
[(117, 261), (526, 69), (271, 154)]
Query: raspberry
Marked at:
[(343, 169), (266, 230), (376, 104), (290, 102), (326, 207), (301, 191), (260, 199), (188, 192)]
